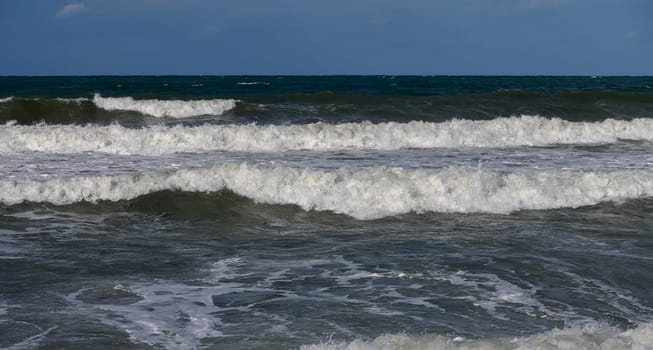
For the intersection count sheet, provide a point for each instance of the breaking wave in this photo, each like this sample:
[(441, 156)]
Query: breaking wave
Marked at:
[(156, 140), (166, 108), (104, 110), (363, 194), (587, 337), (252, 83)]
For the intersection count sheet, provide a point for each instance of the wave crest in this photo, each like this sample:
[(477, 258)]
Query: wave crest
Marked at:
[(166, 108), (363, 194), (157, 140), (587, 337)]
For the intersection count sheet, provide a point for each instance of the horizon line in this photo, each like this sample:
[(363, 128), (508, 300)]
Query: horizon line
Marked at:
[(323, 75)]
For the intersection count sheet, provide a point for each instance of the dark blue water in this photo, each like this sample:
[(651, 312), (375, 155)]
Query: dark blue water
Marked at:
[(296, 99)]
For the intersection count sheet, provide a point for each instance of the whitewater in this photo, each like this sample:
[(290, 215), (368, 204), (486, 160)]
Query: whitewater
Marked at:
[(582, 337), (165, 108), (363, 194), (157, 140), (158, 108)]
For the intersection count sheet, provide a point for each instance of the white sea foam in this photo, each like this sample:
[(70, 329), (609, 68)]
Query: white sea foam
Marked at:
[(168, 314), (490, 293), (252, 83), (75, 100), (6, 99), (364, 194), (502, 132), (166, 108), (574, 338)]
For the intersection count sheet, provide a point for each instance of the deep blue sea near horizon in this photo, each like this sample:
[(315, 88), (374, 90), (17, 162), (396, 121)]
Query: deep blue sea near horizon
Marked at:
[(326, 212)]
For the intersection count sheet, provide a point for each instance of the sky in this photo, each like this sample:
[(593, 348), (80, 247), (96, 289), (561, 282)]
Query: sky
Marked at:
[(306, 37)]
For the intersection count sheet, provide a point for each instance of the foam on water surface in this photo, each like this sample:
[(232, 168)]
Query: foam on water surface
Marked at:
[(574, 338), (157, 140), (166, 108), (235, 296), (364, 194), (252, 83)]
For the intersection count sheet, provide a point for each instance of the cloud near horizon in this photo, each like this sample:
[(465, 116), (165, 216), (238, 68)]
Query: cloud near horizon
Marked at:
[(71, 10)]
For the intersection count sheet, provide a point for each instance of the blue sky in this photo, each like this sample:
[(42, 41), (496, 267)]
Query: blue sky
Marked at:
[(585, 37)]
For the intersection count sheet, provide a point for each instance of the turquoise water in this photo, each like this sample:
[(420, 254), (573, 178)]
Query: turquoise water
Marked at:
[(326, 212)]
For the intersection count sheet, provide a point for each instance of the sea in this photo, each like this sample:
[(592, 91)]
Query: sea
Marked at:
[(326, 212)]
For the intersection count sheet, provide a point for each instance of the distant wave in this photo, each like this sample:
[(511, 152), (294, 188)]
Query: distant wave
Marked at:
[(587, 337), (363, 194), (166, 108), (278, 106), (104, 109), (501, 132), (252, 83)]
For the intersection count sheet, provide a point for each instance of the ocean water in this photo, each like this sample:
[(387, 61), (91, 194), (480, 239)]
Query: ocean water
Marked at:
[(326, 212)]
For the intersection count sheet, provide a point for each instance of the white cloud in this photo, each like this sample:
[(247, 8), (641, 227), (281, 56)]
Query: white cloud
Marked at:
[(71, 10)]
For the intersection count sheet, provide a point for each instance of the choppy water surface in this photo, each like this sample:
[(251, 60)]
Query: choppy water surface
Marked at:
[(326, 213)]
